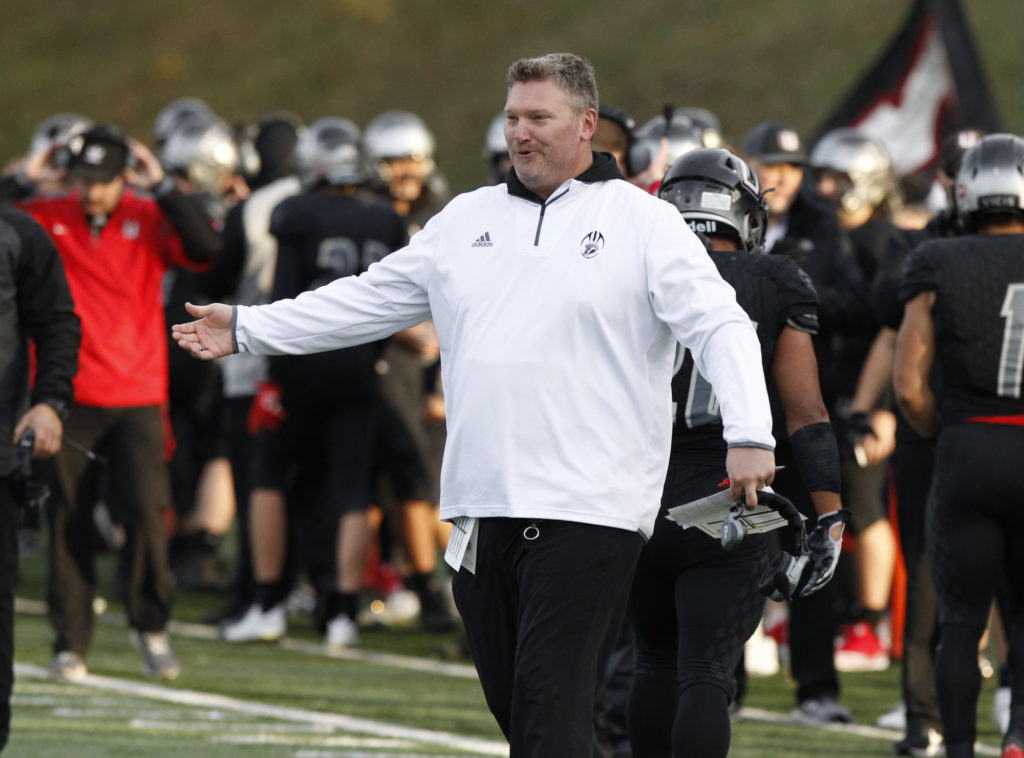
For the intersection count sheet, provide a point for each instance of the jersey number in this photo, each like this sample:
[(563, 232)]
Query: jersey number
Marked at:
[(701, 403), (343, 257), (1011, 359)]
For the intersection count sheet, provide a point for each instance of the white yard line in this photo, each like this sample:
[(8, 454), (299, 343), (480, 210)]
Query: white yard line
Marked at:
[(197, 699), (209, 632)]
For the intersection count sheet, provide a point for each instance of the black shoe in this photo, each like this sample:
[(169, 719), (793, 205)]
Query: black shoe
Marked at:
[(437, 620), (922, 741)]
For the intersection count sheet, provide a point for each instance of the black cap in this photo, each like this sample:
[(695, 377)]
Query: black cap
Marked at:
[(774, 142), (98, 154)]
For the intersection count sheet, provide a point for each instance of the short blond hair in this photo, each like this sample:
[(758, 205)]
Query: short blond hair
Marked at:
[(574, 75)]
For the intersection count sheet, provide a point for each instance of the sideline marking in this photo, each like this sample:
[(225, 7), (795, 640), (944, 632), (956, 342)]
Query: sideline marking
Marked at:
[(209, 632), (281, 712)]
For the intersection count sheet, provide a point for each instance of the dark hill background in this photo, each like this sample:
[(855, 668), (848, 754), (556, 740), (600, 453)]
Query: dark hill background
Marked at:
[(745, 60)]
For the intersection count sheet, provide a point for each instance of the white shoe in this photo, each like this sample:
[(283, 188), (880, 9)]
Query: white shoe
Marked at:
[(342, 632), (257, 624), (67, 665), (761, 654), (1001, 709), (894, 719), (400, 607), (158, 659)]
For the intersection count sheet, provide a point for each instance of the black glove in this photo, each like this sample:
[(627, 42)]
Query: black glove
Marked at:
[(823, 550), (856, 427), (853, 429)]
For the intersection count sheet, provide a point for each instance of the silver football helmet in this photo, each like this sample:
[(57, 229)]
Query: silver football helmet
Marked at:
[(205, 154), (494, 142), (397, 134), (328, 152), (495, 150), (863, 160), (682, 133), (990, 180), (57, 129), (179, 114), (709, 124)]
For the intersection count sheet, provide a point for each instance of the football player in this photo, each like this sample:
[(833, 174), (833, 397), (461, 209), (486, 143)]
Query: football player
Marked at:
[(323, 442), (854, 174), (964, 318), (912, 462), (688, 642)]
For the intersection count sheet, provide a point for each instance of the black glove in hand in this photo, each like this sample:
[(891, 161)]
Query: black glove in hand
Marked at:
[(856, 427), (824, 551)]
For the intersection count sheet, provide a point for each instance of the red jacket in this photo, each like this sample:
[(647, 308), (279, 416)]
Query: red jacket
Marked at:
[(115, 280)]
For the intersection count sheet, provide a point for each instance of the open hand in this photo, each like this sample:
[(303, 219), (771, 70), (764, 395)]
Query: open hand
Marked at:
[(209, 337)]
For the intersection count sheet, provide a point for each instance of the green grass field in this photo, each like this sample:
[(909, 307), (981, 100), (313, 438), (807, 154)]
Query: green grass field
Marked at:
[(394, 697)]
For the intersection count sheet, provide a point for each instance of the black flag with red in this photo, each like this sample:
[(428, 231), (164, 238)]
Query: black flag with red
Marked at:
[(926, 86)]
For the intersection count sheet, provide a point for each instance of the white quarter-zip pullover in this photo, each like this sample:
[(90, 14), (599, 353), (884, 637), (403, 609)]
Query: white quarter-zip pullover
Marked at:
[(557, 323)]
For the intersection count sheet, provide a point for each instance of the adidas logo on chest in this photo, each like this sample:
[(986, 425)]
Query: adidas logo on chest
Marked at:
[(484, 240)]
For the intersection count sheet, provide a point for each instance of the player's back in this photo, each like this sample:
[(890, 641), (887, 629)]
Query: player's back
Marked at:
[(979, 321)]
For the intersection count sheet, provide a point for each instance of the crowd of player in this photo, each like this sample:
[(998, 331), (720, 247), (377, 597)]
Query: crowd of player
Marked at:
[(329, 463)]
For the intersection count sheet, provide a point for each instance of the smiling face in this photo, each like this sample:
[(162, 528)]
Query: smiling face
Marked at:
[(548, 141)]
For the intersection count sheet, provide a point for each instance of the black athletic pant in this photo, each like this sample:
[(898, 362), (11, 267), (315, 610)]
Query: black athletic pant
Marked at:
[(912, 464), (540, 616), (132, 440), (812, 619), (240, 453), (8, 575), (692, 607), (974, 540)]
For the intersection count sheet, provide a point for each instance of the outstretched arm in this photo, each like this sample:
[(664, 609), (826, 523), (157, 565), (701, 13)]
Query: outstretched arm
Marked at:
[(211, 336)]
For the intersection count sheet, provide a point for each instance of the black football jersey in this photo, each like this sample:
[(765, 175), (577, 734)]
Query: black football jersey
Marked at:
[(775, 293), (323, 236), (979, 321), (885, 292), (885, 289)]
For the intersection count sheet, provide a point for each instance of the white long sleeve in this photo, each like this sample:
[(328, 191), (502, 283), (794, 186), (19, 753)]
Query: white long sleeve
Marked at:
[(557, 334)]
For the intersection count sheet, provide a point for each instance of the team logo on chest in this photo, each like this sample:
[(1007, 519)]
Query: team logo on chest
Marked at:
[(591, 244), (130, 230)]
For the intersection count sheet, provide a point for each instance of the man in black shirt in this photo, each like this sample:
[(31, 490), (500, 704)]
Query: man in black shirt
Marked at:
[(36, 304), (803, 228)]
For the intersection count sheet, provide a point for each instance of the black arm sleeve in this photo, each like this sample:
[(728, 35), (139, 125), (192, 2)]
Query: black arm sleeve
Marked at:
[(46, 310), (201, 241), (817, 456), (221, 280)]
